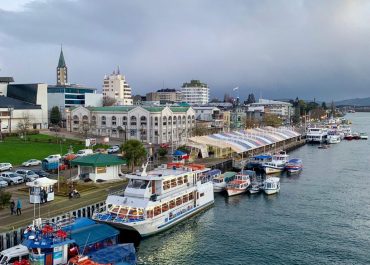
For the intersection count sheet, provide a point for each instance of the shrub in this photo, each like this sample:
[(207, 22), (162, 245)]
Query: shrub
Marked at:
[(5, 198)]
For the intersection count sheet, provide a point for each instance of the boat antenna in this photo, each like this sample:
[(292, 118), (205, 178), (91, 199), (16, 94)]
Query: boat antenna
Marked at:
[(83, 251), (144, 166)]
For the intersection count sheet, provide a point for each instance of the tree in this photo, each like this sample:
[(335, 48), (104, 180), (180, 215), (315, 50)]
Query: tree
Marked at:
[(5, 198), (134, 151), (250, 123), (323, 105), (251, 99), (184, 149), (55, 116), (24, 124), (108, 101), (200, 129), (272, 120), (162, 152)]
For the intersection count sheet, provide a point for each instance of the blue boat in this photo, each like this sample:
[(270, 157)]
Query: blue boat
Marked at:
[(294, 165), (256, 162)]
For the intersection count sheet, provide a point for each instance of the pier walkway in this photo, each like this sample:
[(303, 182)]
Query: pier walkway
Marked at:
[(59, 206)]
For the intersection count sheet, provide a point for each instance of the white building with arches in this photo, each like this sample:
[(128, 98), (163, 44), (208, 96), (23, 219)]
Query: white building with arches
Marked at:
[(156, 125)]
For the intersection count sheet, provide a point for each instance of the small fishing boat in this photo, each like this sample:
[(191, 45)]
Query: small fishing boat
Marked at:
[(356, 136), (363, 136), (348, 136), (240, 184), (333, 139), (325, 146), (294, 165), (255, 188), (220, 182), (271, 185), (277, 163)]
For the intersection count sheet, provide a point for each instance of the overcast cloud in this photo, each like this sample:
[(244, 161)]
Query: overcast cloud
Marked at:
[(277, 48)]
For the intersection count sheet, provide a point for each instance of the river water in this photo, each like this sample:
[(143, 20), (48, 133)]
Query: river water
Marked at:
[(321, 216)]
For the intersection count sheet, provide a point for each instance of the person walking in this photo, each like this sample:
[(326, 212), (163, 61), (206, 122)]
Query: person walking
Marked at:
[(19, 207), (45, 194), (12, 207), (41, 196)]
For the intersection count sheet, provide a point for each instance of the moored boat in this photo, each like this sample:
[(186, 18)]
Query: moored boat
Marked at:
[(363, 136), (220, 182), (294, 165), (240, 183), (277, 163), (159, 199), (271, 185), (256, 162), (333, 139)]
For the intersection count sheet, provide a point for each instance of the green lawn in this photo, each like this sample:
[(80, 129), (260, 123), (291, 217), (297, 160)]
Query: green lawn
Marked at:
[(15, 150)]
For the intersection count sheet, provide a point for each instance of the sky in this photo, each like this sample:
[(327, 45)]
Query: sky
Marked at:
[(273, 48)]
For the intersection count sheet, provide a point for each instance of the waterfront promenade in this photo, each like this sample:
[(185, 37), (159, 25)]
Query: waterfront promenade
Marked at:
[(59, 206)]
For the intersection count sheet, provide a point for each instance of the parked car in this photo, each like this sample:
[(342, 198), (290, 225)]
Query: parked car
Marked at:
[(12, 178), (27, 175), (41, 173), (101, 151), (56, 156), (84, 152), (113, 149), (5, 166), (31, 162), (3, 183)]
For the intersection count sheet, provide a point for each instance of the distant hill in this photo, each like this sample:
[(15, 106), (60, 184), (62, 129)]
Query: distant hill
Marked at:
[(358, 102)]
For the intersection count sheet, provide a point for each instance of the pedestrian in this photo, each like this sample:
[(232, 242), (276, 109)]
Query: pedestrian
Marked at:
[(19, 207), (12, 207), (45, 194), (41, 196)]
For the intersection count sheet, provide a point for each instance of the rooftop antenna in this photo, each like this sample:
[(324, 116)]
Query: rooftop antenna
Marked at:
[(118, 71)]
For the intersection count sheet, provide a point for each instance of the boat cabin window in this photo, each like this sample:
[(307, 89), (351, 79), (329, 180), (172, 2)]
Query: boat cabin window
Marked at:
[(180, 181), (217, 180), (173, 183), (202, 194), (178, 201), (186, 179), (149, 213), (166, 185), (164, 207), (191, 196), (138, 184), (157, 210), (172, 204), (185, 198)]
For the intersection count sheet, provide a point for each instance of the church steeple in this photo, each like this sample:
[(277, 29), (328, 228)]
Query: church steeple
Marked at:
[(62, 75)]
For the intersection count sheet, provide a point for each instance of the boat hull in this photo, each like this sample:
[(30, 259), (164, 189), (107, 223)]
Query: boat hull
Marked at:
[(147, 229), (233, 192), (272, 170), (218, 187), (271, 191)]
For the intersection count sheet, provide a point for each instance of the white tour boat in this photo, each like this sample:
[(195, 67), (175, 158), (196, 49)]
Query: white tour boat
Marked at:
[(220, 182), (277, 163), (316, 135), (363, 136), (333, 139), (157, 200), (271, 185), (240, 184)]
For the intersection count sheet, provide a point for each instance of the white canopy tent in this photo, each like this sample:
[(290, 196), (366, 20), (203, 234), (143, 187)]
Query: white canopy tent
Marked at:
[(38, 185)]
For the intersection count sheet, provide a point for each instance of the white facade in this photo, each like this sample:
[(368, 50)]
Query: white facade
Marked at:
[(195, 92), (282, 109), (115, 86), (155, 125)]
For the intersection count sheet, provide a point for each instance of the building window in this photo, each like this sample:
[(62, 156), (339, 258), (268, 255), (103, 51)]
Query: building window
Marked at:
[(132, 132), (164, 121), (124, 120), (114, 121), (156, 121), (143, 120), (133, 120), (103, 121)]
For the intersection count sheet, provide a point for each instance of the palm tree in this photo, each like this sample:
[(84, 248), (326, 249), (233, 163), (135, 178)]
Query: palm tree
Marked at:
[(134, 151)]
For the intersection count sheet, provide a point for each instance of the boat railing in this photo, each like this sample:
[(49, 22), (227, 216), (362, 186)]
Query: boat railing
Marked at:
[(118, 218)]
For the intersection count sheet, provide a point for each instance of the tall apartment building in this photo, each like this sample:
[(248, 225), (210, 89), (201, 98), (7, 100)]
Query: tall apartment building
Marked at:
[(195, 92), (165, 95), (115, 86)]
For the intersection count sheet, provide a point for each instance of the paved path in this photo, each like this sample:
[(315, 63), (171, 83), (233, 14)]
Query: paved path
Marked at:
[(59, 206)]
